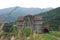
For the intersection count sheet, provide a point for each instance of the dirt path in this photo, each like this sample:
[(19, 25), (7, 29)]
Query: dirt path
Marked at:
[(54, 36)]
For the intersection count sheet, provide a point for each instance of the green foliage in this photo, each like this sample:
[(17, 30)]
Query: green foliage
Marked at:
[(13, 30), (55, 33), (10, 29), (7, 27), (52, 18), (27, 32), (46, 37)]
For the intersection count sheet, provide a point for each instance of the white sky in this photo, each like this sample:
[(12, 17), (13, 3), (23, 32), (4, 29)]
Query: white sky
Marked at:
[(30, 3)]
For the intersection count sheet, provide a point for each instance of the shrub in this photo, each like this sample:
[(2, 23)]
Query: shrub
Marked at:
[(27, 32)]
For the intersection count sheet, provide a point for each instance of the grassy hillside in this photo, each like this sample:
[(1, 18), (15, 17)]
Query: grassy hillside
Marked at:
[(51, 36), (52, 17)]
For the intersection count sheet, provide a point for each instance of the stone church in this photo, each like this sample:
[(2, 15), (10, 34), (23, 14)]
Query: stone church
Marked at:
[(30, 21)]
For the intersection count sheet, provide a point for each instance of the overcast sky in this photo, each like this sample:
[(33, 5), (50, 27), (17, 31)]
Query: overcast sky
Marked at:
[(30, 3)]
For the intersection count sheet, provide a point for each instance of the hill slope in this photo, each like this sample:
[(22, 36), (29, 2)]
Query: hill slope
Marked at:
[(52, 17)]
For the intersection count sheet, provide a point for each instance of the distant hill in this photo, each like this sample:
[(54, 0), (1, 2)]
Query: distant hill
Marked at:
[(52, 17), (19, 12)]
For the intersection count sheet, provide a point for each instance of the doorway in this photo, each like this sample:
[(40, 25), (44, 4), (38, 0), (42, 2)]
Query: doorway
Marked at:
[(45, 30)]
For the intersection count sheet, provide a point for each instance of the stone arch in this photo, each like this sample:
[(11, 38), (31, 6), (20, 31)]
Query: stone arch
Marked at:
[(45, 28)]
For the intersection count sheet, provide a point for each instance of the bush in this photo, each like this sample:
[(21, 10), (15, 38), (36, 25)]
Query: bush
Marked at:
[(27, 32)]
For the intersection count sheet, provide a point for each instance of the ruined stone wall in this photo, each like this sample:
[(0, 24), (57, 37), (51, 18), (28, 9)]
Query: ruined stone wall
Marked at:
[(29, 21)]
